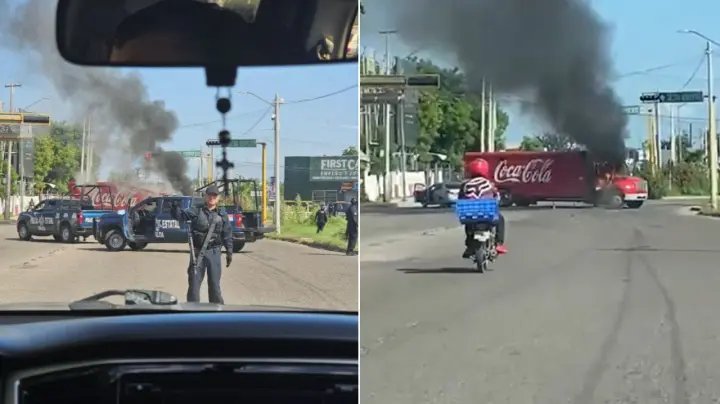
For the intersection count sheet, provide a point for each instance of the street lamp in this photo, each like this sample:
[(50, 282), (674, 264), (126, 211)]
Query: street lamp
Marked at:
[(276, 142), (712, 131)]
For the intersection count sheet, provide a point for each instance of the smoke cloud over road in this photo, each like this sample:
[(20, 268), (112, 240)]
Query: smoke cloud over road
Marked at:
[(125, 122), (550, 53)]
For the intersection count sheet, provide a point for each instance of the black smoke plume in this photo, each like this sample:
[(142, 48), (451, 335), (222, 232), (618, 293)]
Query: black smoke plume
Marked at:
[(551, 53), (123, 117)]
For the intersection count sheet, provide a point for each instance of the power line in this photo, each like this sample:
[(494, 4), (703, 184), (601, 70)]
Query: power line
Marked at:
[(694, 73), (267, 111), (323, 96)]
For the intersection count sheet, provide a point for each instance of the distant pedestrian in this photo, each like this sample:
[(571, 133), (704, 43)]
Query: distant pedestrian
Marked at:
[(31, 205), (331, 209), (321, 218), (351, 232)]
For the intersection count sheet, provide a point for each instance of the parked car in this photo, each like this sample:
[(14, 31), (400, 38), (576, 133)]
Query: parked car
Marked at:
[(444, 194)]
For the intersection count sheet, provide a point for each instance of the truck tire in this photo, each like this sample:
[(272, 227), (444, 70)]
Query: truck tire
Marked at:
[(505, 198), (66, 234), (612, 199), (137, 246), (634, 204), (238, 246), (23, 231), (115, 241)]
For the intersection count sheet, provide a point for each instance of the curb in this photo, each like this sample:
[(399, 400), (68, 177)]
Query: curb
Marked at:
[(8, 222), (312, 244), (684, 197)]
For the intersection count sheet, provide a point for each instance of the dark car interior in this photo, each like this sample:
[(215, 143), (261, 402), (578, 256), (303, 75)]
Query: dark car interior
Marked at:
[(128, 356), (279, 32)]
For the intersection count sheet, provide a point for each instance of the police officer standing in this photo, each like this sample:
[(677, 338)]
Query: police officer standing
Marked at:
[(351, 215), (207, 221)]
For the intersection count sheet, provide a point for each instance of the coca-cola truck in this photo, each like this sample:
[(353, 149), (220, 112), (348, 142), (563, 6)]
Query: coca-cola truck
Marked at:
[(525, 178), (111, 195)]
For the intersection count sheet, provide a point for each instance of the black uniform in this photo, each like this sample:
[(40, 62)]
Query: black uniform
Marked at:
[(351, 214), (201, 219), (321, 218)]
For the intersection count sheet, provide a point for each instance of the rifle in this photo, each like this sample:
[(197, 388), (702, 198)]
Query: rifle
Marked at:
[(193, 261), (197, 261)]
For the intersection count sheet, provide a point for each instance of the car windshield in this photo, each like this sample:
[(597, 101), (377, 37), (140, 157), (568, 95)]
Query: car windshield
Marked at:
[(133, 151)]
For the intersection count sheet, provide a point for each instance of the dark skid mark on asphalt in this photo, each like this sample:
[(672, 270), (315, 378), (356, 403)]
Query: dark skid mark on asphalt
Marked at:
[(314, 290), (33, 240), (677, 357), (452, 270), (650, 249), (599, 367), (399, 335)]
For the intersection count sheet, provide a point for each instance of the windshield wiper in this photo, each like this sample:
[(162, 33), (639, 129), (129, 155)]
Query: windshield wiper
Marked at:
[(133, 297)]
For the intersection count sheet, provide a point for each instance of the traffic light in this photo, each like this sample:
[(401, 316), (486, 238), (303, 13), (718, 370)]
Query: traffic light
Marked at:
[(427, 80), (36, 119), (650, 97)]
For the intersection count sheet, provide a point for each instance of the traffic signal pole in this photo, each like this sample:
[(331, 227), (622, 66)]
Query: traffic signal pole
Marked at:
[(394, 90), (712, 131)]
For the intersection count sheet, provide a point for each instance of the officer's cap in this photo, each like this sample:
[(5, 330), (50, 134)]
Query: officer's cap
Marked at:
[(212, 190)]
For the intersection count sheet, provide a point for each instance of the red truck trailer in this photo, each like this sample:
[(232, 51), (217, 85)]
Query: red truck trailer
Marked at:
[(525, 178), (112, 195)]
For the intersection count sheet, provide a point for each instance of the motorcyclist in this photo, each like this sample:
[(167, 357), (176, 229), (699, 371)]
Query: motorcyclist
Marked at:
[(477, 186)]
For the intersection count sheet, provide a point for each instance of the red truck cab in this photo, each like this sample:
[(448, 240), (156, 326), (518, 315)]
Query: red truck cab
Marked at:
[(525, 178)]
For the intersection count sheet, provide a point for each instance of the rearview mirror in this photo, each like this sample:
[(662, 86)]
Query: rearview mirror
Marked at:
[(203, 33)]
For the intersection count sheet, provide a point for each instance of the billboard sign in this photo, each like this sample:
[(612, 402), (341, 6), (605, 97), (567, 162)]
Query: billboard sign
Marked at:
[(340, 168)]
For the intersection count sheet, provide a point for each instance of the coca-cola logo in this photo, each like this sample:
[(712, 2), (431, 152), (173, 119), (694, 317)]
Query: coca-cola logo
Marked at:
[(536, 171), (104, 199)]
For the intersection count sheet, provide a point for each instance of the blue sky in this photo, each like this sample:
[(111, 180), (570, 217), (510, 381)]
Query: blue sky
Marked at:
[(322, 127), (644, 37)]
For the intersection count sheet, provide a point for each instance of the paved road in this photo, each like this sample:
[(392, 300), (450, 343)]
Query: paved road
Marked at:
[(590, 306), (268, 273)]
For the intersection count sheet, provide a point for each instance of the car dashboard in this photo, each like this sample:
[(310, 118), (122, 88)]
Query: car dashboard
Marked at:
[(261, 357)]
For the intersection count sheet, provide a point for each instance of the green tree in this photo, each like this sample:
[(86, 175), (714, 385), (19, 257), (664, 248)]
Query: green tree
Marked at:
[(57, 156), (350, 151), (531, 143), (44, 160), (14, 177), (450, 117)]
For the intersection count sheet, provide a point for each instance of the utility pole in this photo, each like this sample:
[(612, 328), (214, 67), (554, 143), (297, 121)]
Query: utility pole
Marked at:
[(483, 118), (400, 113), (8, 174), (388, 71), (491, 121), (658, 143), (82, 152), (712, 130), (90, 151), (276, 120)]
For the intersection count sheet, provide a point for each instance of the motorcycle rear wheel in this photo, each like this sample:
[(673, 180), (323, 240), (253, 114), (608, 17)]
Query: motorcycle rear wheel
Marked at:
[(480, 261)]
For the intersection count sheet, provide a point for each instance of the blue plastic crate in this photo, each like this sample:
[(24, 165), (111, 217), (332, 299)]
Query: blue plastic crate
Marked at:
[(470, 211)]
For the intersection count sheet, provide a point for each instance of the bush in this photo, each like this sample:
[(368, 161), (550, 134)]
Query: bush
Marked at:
[(681, 179)]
